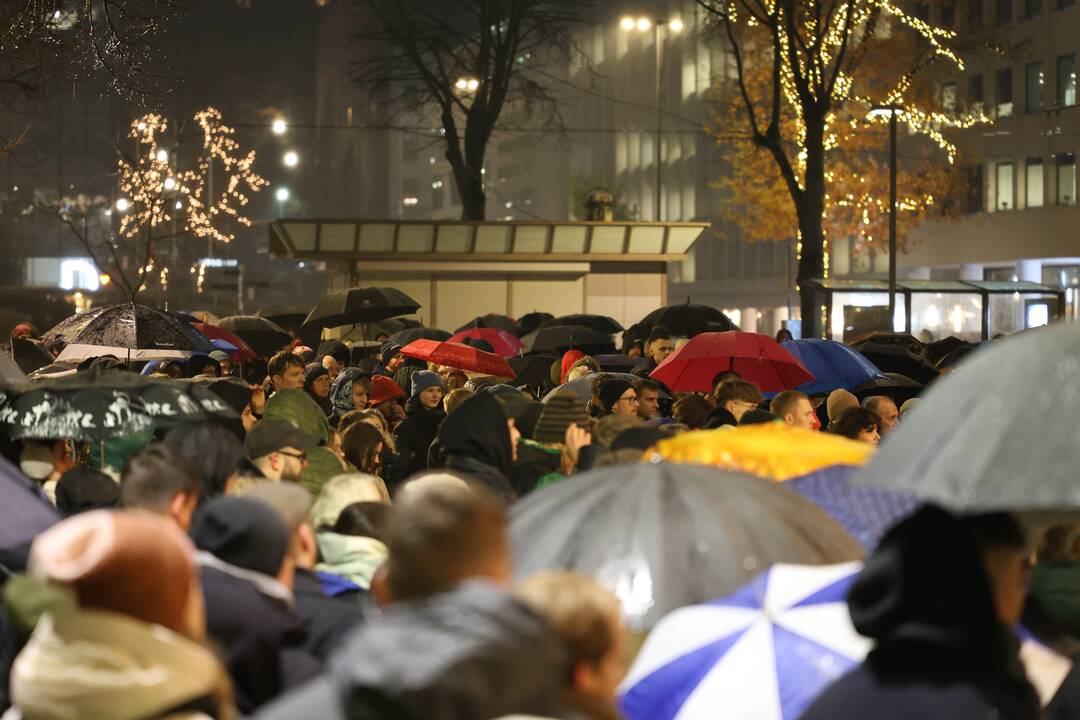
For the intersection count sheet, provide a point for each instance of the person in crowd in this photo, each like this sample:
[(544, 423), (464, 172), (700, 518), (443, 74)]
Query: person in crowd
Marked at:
[(563, 428), (162, 482), (784, 335), (481, 444), (757, 417), (224, 363), (354, 546), (216, 455), (26, 331), (80, 490), (423, 416), (362, 445), (692, 411), (392, 472), (939, 597), (657, 349), (836, 404), (1055, 583), (733, 399), (326, 619), (383, 397), (885, 408), (588, 620), (350, 391), (610, 427), (454, 379), (342, 491), (44, 461), (454, 398), (278, 449), (332, 366), (255, 408), (648, 395), (247, 576), (794, 409), (391, 358), (305, 353), (569, 358), (859, 424), (297, 407), (317, 385), (286, 372), (122, 633), (909, 405), (618, 397)]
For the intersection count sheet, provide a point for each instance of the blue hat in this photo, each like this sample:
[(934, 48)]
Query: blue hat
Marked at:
[(425, 379)]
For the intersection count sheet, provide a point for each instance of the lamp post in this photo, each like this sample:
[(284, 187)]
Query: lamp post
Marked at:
[(892, 111)]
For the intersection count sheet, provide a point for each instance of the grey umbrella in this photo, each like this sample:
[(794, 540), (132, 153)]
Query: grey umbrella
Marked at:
[(10, 372), (1002, 431), (582, 387), (26, 511), (662, 536)]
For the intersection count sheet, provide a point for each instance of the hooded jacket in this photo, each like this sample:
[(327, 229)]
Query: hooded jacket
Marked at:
[(327, 620), (313, 372), (341, 392), (352, 557), (413, 435), (477, 443), (940, 651)]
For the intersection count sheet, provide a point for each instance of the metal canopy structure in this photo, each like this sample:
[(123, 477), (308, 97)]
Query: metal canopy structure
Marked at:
[(519, 241)]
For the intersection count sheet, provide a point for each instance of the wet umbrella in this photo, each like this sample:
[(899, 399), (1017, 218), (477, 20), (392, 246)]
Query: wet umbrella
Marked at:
[(244, 352), (999, 432), (877, 337), (529, 322), (755, 357), (26, 511), (532, 370), (561, 338), (936, 351), (10, 372), (893, 385), (100, 404), (286, 315), (29, 354), (686, 320), (582, 387), (501, 342), (617, 363), (458, 356), (128, 332), (264, 336), (360, 305), (491, 320), (833, 365), (599, 323), (662, 536), (404, 337), (898, 359)]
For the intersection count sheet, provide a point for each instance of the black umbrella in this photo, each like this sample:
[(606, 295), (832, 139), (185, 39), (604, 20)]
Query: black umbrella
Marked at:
[(100, 404), (532, 370), (29, 354), (10, 372), (264, 336), (491, 320), (685, 320), (26, 511), (997, 433), (618, 363), (662, 536), (878, 337), (286, 315), (898, 358), (403, 337), (893, 385), (128, 332), (529, 322), (599, 323), (939, 349), (360, 305), (561, 338)]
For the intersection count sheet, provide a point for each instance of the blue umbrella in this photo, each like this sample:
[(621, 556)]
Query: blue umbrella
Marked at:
[(833, 365), (26, 511), (866, 513), (223, 345)]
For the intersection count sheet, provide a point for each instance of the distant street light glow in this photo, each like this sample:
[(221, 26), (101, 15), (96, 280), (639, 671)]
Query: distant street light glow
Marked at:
[(676, 25), (279, 127), (170, 183), (162, 155), (644, 24), (291, 159), (627, 23), (122, 205), (282, 194)]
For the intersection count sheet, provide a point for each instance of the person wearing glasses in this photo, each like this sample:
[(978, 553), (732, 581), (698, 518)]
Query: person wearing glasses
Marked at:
[(618, 397), (278, 449)]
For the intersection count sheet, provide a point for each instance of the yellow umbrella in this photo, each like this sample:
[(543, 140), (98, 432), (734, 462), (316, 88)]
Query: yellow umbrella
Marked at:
[(770, 450)]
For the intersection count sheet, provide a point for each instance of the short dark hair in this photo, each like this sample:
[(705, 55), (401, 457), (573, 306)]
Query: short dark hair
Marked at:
[(154, 476), (215, 453), (659, 332), (856, 420), (363, 519), (281, 361), (691, 411), (785, 402), (736, 390), (644, 384)]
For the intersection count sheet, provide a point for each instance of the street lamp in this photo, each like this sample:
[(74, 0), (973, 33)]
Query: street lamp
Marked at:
[(282, 194), (122, 205), (467, 84), (291, 159), (279, 127), (162, 155), (170, 183), (892, 111)]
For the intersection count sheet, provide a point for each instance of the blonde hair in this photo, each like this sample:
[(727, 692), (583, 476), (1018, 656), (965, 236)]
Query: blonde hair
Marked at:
[(582, 612), (344, 490)]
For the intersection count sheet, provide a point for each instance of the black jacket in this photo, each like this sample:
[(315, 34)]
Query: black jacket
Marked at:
[(414, 435), (477, 441), (326, 620)]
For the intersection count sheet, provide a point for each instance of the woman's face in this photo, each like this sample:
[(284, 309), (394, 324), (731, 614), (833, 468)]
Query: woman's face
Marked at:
[(431, 397), (359, 395), (870, 436), (321, 386)]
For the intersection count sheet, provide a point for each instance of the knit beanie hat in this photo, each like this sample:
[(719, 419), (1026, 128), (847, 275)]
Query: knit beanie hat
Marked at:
[(128, 562), (610, 392), (559, 413), (383, 389), (242, 532), (424, 379), (839, 401)]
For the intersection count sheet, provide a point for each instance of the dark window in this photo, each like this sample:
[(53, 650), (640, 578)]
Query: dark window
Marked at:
[(975, 90), (1004, 92), (1066, 80), (1065, 4), (1003, 12), (948, 14), (1066, 179), (1032, 8), (1034, 83), (975, 13), (922, 11), (976, 200)]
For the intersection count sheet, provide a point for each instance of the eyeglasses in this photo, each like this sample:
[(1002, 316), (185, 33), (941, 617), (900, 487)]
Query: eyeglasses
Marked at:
[(632, 399), (299, 456)]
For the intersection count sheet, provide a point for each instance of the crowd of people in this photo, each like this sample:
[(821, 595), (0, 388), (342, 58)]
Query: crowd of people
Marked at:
[(341, 549)]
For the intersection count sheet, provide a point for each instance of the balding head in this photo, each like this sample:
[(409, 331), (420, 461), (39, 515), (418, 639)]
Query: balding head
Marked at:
[(886, 410)]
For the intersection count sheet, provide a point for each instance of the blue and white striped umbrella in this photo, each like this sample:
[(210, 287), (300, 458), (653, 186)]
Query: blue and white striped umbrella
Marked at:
[(764, 652)]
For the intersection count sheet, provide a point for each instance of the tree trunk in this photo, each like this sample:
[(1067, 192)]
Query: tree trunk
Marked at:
[(473, 199), (810, 207)]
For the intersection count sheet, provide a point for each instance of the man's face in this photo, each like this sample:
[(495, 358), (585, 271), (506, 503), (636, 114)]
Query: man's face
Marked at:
[(649, 404), (889, 415), (291, 379), (292, 463), (738, 408), (321, 386), (359, 395), (226, 368), (333, 367), (802, 415), (627, 404), (660, 349)]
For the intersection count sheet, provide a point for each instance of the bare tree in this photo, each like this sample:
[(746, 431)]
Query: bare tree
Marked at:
[(468, 62)]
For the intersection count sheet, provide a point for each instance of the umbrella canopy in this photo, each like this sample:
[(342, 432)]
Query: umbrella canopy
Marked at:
[(404, 337), (503, 343), (617, 363), (898, 359), (458, 356), (491, 320), (26, 511), (938, 350), (755, 357), (360, 305), (662, 536), (10, 372), (999, 432), (833, 365), (244, 352), (905, 340), (686, 320), (29, 355), (582, 387), (764, 652), (263, 336), (894, 385), (286, 315), (599, 323), (97, 405), (532, 370), (127, 331), (560, 338), (529, 322)]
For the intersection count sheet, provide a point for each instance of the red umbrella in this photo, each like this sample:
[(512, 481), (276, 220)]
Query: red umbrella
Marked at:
[(757, 358), (458, 356), (502, 342), (244, 352)]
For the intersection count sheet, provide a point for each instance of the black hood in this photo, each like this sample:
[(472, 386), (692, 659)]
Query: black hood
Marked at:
[(478, 430)]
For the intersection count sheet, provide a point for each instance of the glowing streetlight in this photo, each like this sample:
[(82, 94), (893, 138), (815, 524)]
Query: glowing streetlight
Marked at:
[(644, 24), (122, 205), (162, 155), (627, 23), (467, 84), (676, 25), (291, 159), (179, 205), (170, 183), (282, 194), (279, 127)]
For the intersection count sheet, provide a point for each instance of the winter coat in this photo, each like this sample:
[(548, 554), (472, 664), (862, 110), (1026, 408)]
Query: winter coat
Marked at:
[(301, 410), (83, 663), (326, 620), (477, 441), (413, 435), (534, 466), (352, 557)]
